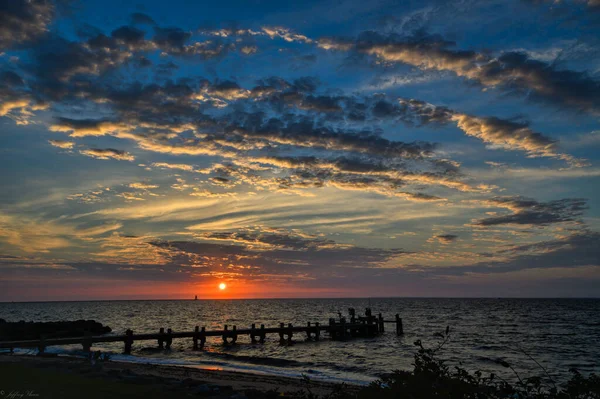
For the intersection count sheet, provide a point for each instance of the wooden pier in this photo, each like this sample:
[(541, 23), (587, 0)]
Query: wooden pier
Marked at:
[(340, 329)]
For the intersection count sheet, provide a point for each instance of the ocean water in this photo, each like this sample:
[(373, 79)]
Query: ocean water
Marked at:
[(559, 334)]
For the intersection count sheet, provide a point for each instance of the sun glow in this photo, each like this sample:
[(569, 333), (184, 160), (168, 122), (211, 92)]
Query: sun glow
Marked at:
[(222, 286)]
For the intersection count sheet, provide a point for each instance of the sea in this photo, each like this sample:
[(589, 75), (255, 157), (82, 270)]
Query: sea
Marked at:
[(546, 337)]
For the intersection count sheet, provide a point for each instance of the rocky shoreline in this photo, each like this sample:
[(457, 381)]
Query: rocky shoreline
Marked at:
[(22, 330)]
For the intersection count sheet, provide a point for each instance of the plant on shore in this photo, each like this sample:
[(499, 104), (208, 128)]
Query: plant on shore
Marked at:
[(432, 377)]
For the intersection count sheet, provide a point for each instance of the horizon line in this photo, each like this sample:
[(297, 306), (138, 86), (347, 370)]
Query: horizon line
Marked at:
[(296, 298)]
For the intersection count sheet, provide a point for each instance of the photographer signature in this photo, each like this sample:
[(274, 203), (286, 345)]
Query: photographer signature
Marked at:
[(18, 394)]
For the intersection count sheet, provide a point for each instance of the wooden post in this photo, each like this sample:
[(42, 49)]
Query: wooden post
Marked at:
[(262, 334), (308, 331), (290, 333), (317, 331), (195, 338), (169, 339), (399, 327), (381, 324), (234, 336), (225, 334), (343, 323), (202, 337), (252, 333), (281, 327), (352, 313), (332, 332), (128, 341), (161, 338)]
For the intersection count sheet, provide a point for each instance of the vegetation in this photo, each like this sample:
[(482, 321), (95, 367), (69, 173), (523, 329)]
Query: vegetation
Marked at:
[(432, 377)]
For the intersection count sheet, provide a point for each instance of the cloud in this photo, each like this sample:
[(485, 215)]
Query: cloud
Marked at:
[(179, 166), (578, 250), (67, 145), (141, 19), (511, 71), (500, 133), (108, 153), (444, 239), (276, 254), (526, 211), (142, 186), (270, 239), (22, 22), (87, 127)]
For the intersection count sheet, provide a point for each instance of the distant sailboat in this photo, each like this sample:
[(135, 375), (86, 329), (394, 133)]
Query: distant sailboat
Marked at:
[(196, 298)]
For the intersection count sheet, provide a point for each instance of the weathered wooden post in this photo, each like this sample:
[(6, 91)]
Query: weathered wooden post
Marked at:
[(252, 333), (308, 331), (128, 341), (343, 325), (290, 333), (317, 331), (332, 330), (262, 334), (225, 334), (195, 338), (381, 324), (352, 314), (234, 336), (202, 337), (399, 327), (161, 338), (281, 327), (169, 339)]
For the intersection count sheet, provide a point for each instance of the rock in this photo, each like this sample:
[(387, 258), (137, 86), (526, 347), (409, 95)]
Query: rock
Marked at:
[(55, 329)]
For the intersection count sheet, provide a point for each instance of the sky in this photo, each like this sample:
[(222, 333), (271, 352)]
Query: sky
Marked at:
[(153, 150)]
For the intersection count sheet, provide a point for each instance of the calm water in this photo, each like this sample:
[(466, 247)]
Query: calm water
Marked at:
[(558, 333)]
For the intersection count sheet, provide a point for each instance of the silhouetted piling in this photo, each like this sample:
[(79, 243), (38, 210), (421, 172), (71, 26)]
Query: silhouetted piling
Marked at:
[(128, 341), (161, 338), (399, 327), (169, 339)]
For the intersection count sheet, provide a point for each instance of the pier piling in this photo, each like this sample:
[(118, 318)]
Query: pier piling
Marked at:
[(161, 338), (399, 327), (128, 341), (169, 339), (195, 338)]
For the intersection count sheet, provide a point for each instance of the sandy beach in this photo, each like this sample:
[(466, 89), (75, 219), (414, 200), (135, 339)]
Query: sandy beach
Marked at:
[(67, 377)]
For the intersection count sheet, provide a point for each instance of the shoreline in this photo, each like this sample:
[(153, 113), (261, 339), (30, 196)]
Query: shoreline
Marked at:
[(162, 377)]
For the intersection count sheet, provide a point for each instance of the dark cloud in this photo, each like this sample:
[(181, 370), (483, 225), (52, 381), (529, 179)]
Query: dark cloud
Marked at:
[(512, 71), (527, 211), (129, 35), (108, 153), (306, 134), (23, 22), (444, 238), (278, 253), (141, 19), (577, 250), (274, 239)]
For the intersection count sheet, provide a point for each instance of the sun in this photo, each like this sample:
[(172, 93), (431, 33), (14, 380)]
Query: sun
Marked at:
[(222, 286)]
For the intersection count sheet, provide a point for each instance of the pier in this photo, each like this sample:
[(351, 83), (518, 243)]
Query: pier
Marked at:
[(342, 328)]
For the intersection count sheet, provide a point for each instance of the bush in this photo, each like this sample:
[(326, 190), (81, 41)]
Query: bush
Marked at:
[(432, 377)]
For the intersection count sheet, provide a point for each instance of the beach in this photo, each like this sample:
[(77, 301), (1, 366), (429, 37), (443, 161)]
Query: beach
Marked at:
[(69, 377)]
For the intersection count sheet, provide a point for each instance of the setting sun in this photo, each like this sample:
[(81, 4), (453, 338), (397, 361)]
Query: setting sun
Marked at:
[(222, 286)]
